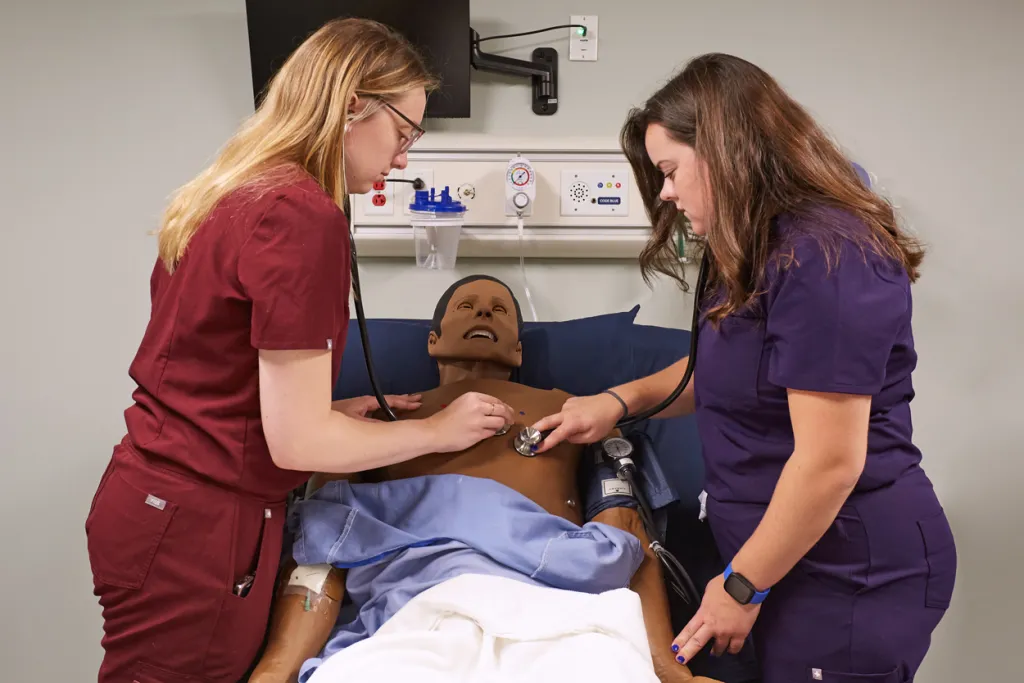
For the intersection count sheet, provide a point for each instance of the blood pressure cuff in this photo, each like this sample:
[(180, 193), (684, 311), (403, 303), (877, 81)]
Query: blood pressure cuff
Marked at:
[(602, 489)]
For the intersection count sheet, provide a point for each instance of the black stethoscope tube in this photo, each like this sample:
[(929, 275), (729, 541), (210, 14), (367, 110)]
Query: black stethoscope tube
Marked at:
[(691, 361), (357, 296), (626, 421)]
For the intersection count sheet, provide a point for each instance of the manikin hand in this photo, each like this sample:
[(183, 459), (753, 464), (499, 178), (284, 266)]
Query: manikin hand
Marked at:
[(584, 419), (720, 618), (360, 406)]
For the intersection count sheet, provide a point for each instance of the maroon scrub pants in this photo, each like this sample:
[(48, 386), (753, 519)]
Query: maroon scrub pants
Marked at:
[(166, 552), (862, 605)]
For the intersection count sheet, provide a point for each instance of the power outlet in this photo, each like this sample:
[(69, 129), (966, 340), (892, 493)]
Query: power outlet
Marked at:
[(380, 201), (583, 48), (602, 192), (406, 191)]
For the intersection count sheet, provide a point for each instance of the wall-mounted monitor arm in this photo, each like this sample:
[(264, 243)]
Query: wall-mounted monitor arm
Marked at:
[(543, 71)]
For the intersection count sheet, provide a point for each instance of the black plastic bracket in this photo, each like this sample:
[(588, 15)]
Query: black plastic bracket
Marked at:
[(543, 72)]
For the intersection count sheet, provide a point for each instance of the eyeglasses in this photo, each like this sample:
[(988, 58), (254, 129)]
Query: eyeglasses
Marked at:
[(417, 131)]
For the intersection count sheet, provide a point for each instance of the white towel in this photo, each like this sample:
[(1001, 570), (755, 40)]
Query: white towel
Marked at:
[(489, 629)]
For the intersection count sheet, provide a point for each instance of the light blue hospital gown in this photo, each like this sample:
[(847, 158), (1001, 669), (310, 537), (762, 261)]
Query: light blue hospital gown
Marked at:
[(399, 538)]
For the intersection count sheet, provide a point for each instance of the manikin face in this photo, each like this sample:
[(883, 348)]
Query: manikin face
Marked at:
[(480, 324), (685, 180), (378, 144)]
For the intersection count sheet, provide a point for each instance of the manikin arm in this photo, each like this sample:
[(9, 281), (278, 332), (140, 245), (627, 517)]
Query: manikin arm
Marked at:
[(304, 612), (301, 621), (648, 582)]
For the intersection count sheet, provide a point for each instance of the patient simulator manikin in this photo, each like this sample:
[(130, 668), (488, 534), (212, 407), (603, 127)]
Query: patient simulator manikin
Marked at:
[(510, 531)]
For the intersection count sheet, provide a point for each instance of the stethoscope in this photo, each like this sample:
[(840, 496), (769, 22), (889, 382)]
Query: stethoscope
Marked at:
[(528, 436), (618, 449)]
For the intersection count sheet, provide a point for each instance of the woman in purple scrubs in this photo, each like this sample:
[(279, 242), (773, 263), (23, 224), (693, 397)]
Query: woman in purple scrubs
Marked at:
[(841, 560)]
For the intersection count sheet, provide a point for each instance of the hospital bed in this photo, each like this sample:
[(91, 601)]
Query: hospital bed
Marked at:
[(582, 356)]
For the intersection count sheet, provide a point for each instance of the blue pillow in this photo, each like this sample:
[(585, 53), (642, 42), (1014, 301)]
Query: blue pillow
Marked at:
[(399, 349), (582, 356)]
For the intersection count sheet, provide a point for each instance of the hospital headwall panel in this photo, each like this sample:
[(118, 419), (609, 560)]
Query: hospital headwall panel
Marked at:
[(587, 205)]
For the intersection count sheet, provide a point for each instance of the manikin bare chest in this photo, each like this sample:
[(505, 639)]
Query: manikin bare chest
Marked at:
[(548, 479)]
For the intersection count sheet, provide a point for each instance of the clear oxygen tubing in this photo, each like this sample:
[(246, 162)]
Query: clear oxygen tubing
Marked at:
[(522, 265)]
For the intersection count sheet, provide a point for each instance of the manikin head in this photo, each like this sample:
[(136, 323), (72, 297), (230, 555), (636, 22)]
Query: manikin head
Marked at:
[(477, 324)]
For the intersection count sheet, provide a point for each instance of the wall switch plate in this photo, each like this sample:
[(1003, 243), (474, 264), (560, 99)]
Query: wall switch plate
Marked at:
[(379, 201), (406, 192), (583, 48), (589, 192)]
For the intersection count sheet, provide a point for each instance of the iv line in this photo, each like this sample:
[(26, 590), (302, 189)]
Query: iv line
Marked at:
[(522, 266)]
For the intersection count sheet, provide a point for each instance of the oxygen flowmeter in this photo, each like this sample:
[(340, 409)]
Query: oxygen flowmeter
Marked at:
[(520, 191), (520, 187)]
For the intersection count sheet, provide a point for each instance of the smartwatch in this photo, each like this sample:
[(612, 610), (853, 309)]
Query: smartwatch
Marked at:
[(741, 590)]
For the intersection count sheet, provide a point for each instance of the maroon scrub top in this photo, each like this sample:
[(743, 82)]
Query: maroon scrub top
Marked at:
[(266, 270)]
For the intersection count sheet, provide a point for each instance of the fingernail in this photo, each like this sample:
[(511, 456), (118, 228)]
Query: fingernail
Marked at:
[(675, 648), (533, 447), (680, 659)]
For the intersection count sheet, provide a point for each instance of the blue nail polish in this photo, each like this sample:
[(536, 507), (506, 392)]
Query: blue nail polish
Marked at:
[(533, 448), (680, 659), (675, 648)]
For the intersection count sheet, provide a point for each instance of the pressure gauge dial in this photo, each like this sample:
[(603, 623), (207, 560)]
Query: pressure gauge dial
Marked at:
[(617, 447), (520, 175)]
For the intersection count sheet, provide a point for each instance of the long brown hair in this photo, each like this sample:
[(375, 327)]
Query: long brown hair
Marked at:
[(764, 156), (300, 123)]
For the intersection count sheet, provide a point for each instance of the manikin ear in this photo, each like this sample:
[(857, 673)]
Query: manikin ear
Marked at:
[(432, 339)]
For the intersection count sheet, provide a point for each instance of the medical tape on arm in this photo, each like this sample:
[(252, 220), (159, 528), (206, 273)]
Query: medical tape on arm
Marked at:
[(311, 582)]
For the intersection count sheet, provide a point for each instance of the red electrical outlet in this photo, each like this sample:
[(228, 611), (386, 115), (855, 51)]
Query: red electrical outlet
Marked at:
[(379, 185), (379, 200)]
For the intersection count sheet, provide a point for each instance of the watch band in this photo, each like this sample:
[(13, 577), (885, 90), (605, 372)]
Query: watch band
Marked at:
[(756, 597)]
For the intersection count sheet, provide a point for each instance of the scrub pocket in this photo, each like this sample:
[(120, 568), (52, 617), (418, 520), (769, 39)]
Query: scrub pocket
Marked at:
[(894, 676), (940, 552), (124, 530), (841, 559), (242, 620), (730, 360)]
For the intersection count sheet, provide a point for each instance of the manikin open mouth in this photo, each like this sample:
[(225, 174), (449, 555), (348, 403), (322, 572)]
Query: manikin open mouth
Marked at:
[(482, 333)]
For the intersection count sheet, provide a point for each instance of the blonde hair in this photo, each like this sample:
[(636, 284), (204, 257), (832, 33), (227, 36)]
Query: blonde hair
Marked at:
[(301, 121)]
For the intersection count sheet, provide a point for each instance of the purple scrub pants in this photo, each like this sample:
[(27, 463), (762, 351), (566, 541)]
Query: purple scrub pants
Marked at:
[(862, 604)]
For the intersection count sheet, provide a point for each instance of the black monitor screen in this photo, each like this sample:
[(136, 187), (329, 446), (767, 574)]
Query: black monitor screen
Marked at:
[(438, 28)]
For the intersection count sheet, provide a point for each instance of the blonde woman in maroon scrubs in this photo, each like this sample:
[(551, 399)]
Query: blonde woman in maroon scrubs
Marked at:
[(233, 408)]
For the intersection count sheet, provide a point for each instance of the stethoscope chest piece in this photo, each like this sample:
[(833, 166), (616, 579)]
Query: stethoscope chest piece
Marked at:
[(504, 430), (525, 440)]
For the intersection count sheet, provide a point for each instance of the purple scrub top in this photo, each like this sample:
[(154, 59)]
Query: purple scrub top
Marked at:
[(838, 323)]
